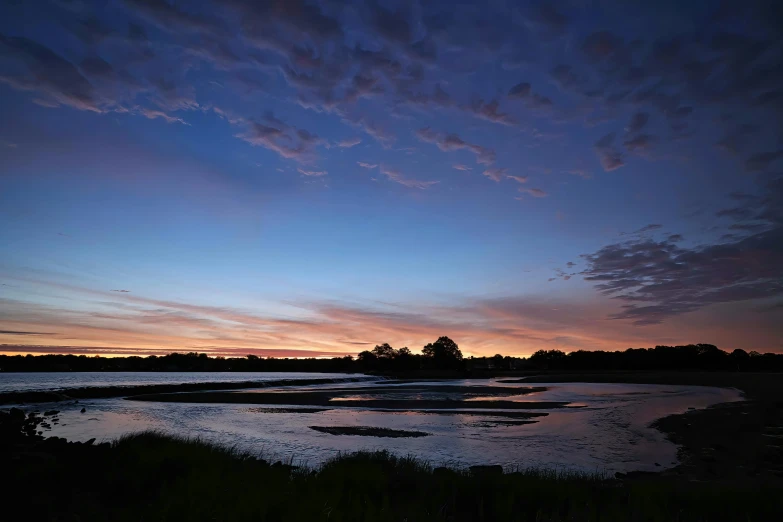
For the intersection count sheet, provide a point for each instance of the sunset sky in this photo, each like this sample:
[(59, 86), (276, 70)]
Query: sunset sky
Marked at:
[(312, 178)]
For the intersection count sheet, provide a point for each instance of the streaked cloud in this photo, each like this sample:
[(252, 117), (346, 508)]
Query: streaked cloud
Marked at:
[(348, 143), (398, 177), (312, 173), (495, 174), (451, 142), (286, 140)]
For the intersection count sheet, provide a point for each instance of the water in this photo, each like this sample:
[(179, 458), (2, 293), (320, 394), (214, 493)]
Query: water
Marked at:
[(57, 381), (606, 429)]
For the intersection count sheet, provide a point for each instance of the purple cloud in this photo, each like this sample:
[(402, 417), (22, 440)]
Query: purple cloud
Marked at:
[(495, 174), (348, 143), (286, 140), (397, 177), (637, 123), (312, 173), (451, 142), (659, 279), (535, 192), (490, 111), (610, 158), (640, 144)]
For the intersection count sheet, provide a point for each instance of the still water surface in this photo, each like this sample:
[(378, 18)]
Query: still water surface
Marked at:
[(57, 381), (606, 429)]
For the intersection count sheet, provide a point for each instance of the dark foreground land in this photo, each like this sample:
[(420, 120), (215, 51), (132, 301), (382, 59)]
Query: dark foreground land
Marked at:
[(731, 470), (153, 477)]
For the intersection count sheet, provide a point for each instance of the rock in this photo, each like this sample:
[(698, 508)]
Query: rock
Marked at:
[(16, 415), (50, 412), (495, 469), (84, 410)]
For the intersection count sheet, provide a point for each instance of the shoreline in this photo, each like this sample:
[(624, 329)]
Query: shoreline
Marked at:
[(727, 442), (733, 442)]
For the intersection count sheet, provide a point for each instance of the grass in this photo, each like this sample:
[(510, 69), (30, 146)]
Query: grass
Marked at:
[(154, 477)]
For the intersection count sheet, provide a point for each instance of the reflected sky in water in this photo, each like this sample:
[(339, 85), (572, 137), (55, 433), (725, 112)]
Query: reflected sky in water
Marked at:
[(58, 380), (609, 432)]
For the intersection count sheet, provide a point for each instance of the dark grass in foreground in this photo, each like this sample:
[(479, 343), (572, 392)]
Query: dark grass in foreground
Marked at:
[(152, 477)]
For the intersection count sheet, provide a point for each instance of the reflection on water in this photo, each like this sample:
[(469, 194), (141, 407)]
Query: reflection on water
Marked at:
[(29, 381), (610, 432)]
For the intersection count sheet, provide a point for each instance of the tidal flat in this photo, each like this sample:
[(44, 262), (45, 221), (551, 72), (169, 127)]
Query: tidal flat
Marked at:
[(575, 426)]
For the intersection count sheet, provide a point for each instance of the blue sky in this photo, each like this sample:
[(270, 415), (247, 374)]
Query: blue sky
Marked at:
[(310, 177)]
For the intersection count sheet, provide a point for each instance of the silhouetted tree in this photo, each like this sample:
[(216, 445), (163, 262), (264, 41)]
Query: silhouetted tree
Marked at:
[(384, 351), (367, 360), (549, 358), (443, 354)]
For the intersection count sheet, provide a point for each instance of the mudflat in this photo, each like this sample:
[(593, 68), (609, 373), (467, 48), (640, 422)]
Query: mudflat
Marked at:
[(379, 397), (739, 442)]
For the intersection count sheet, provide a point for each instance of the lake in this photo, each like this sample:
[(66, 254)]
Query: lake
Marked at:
[(598, 427)]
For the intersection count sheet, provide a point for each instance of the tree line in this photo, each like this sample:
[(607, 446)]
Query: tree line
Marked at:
[(441, 355)]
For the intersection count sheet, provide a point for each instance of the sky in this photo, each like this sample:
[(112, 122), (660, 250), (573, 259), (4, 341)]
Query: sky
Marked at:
[(299, 178)]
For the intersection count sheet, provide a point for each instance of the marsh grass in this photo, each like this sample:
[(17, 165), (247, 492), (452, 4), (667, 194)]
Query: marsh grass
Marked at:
[(151, 476)]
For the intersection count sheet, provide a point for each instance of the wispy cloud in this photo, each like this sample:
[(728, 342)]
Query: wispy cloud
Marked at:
[(286, 140), (312, 173), (348, 143), (451, 142), (398, 177), (610, 158), (495, 174)]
